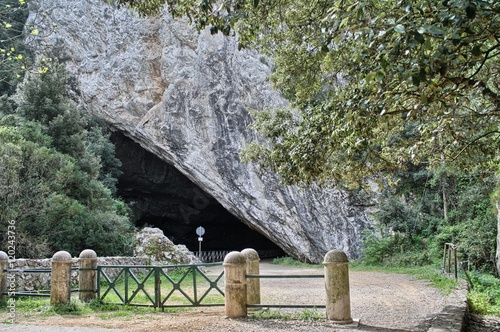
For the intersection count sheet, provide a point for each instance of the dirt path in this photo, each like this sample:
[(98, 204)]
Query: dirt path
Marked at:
[(381, 301)]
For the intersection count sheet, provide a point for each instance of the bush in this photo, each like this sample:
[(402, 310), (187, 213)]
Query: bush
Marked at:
[(435, 208), (56, 179), (485, 297)]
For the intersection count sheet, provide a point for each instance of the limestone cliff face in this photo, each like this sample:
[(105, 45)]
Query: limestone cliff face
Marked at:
[(185, 96)]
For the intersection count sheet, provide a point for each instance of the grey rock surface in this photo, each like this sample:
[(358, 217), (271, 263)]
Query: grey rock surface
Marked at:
[(185, 97), (152, 243)]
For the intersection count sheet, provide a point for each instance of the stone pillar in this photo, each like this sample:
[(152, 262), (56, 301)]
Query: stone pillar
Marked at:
[(4, 259), (235, 286), (252, 267), (338, 302), (60, 283), (87, 278)]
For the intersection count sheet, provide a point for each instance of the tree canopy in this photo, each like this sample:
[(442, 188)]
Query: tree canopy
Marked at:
[(379, 84), (58, 173), (16, 39)]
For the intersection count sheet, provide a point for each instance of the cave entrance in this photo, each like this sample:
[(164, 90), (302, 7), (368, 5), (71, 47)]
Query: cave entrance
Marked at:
[(161, 196)]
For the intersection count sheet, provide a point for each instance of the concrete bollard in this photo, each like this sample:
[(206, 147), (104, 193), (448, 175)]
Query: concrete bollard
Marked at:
[(4, 259), (252, 267), (60, 283), (338, 302), (235, 286), (87, 279)]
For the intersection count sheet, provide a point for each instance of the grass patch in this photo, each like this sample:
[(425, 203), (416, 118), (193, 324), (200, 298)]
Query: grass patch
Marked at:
[(303, 315), (30, 306), (74, 307), (33, 305)]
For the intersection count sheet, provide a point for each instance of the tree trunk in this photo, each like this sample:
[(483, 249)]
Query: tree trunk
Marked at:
[(497, 256), (445, 205)]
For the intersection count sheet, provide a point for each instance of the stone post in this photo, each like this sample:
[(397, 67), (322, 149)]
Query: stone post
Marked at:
[(252, 267), (87, 278), (338, 302), (60, 283), (4, 259), (235, 286)]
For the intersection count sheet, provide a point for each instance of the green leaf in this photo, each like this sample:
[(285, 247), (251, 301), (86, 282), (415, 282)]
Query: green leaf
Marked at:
[(423, 99), (418, 37), (380, 76), (369, 78), (435, 30), (344, 21), (399, 28)]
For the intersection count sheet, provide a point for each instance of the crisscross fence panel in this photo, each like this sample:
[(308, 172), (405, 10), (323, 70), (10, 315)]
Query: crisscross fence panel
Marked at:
[(160, 286), (191, 287), (131, 285)]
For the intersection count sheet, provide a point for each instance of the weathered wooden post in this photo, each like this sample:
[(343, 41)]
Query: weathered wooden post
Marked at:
[(235, 286), (60, 283), (338, 302), (4, 259), (252, 267), (87, 278)]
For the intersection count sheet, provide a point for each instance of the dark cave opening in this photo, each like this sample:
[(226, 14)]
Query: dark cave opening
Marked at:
[(161, 196)]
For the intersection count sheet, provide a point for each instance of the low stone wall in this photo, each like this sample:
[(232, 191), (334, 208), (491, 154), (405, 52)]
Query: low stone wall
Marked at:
[(26, 280), (152, 248)]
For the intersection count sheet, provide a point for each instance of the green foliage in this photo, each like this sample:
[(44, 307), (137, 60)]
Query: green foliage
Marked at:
[(394, 250), (427, 209), (485, 297), (14, 55), (376, 84), (58, 174)]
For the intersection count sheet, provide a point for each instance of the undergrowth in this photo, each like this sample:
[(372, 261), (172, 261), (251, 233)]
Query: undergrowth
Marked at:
[(484, 297)]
